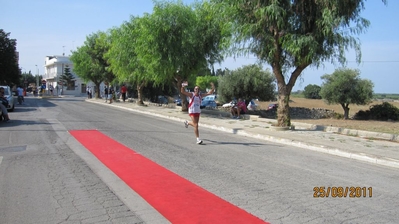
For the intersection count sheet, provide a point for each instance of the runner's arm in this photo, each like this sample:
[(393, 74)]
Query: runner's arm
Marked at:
[(210, 92), (183, 91)]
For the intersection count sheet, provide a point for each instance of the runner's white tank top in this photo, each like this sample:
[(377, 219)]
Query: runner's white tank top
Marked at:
[(194, 105)]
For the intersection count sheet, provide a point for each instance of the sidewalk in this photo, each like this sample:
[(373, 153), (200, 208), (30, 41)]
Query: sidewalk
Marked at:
[(381, 152)]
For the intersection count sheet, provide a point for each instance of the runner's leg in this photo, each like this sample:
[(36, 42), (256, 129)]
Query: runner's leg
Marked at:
[(194, 123)]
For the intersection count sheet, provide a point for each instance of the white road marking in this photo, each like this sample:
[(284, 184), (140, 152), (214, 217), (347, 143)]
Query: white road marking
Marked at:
[(1, 159)]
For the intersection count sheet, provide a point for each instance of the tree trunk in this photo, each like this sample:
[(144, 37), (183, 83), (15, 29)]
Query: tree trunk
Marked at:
[(140, 94), (346, 111), (284, 92), (283, 109), (98, 95)]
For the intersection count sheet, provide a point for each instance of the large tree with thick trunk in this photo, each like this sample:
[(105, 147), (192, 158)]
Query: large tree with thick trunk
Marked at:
[(89, 60), (177, 40), (291, 35), (123, 56)]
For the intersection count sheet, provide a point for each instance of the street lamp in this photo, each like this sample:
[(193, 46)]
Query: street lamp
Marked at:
[(37, 76), (57, 78)]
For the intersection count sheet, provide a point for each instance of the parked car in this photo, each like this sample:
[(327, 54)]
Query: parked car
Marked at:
[(252, 105), (162, 100), (177, 102), (209, 101), (272, 106), (230, 104), (9, 95)]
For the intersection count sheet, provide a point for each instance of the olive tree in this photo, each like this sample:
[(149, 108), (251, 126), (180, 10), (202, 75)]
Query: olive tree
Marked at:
[(292, 35), (312, 91), (345, 87), (247, 82)]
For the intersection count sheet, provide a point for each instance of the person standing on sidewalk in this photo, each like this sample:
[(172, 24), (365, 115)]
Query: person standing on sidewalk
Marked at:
[(51, 90), (88, 92), (110, 94), (106, 93), (123, 91), (194, 109)]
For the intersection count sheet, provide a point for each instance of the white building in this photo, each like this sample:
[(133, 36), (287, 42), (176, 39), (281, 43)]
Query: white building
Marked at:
[(54, 67)]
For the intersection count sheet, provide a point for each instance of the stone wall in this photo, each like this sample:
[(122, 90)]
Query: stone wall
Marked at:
[(298, 113)]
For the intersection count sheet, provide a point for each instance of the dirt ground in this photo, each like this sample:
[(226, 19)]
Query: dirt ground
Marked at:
[(376, 126)]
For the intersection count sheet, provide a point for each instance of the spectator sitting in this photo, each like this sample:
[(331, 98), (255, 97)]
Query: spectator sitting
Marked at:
[(238, 109)]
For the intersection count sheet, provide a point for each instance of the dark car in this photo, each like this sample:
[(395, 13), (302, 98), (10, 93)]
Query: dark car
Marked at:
[(272, 106), (162, 100), (177, 102)]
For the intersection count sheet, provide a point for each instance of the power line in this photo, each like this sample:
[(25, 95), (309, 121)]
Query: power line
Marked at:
[(376, 61), (337, 62)]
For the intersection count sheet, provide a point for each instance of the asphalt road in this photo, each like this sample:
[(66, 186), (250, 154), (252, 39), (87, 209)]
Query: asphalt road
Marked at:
[(46, 179)]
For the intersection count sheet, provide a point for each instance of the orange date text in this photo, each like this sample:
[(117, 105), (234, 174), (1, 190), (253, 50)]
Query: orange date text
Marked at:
[(342, 192)]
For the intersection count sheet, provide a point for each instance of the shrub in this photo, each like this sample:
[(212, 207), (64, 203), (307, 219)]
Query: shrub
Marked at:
[(362, 115), (384, 112), (381, 112), (338, 116)]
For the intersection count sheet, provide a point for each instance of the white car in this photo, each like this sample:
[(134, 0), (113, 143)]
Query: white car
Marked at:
[(252, 105), (227, 105), (9, 95)]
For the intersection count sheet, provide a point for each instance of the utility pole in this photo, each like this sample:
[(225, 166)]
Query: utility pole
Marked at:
[(37, 77)]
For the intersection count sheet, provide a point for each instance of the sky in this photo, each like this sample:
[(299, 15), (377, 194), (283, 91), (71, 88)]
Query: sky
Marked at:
[(45, 28)]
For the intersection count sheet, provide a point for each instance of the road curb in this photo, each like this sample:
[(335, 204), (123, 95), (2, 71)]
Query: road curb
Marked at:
[(319, 148), (338, 130)]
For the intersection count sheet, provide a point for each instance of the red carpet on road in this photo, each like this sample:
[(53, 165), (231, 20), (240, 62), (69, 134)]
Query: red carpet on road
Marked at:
[(176, 198)]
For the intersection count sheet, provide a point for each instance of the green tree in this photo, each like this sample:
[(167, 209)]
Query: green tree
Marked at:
[(123, 59), (28, 76), (68, 79), (219, 72), (292, 35), (84, 68), (89, 60), (176, 41), (101, 48), (247, 82), (312, 92), (345, 87), (203, 81), (9, 69)]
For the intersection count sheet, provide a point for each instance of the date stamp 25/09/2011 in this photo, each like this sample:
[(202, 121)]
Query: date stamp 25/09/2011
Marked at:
[(342, 192)]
